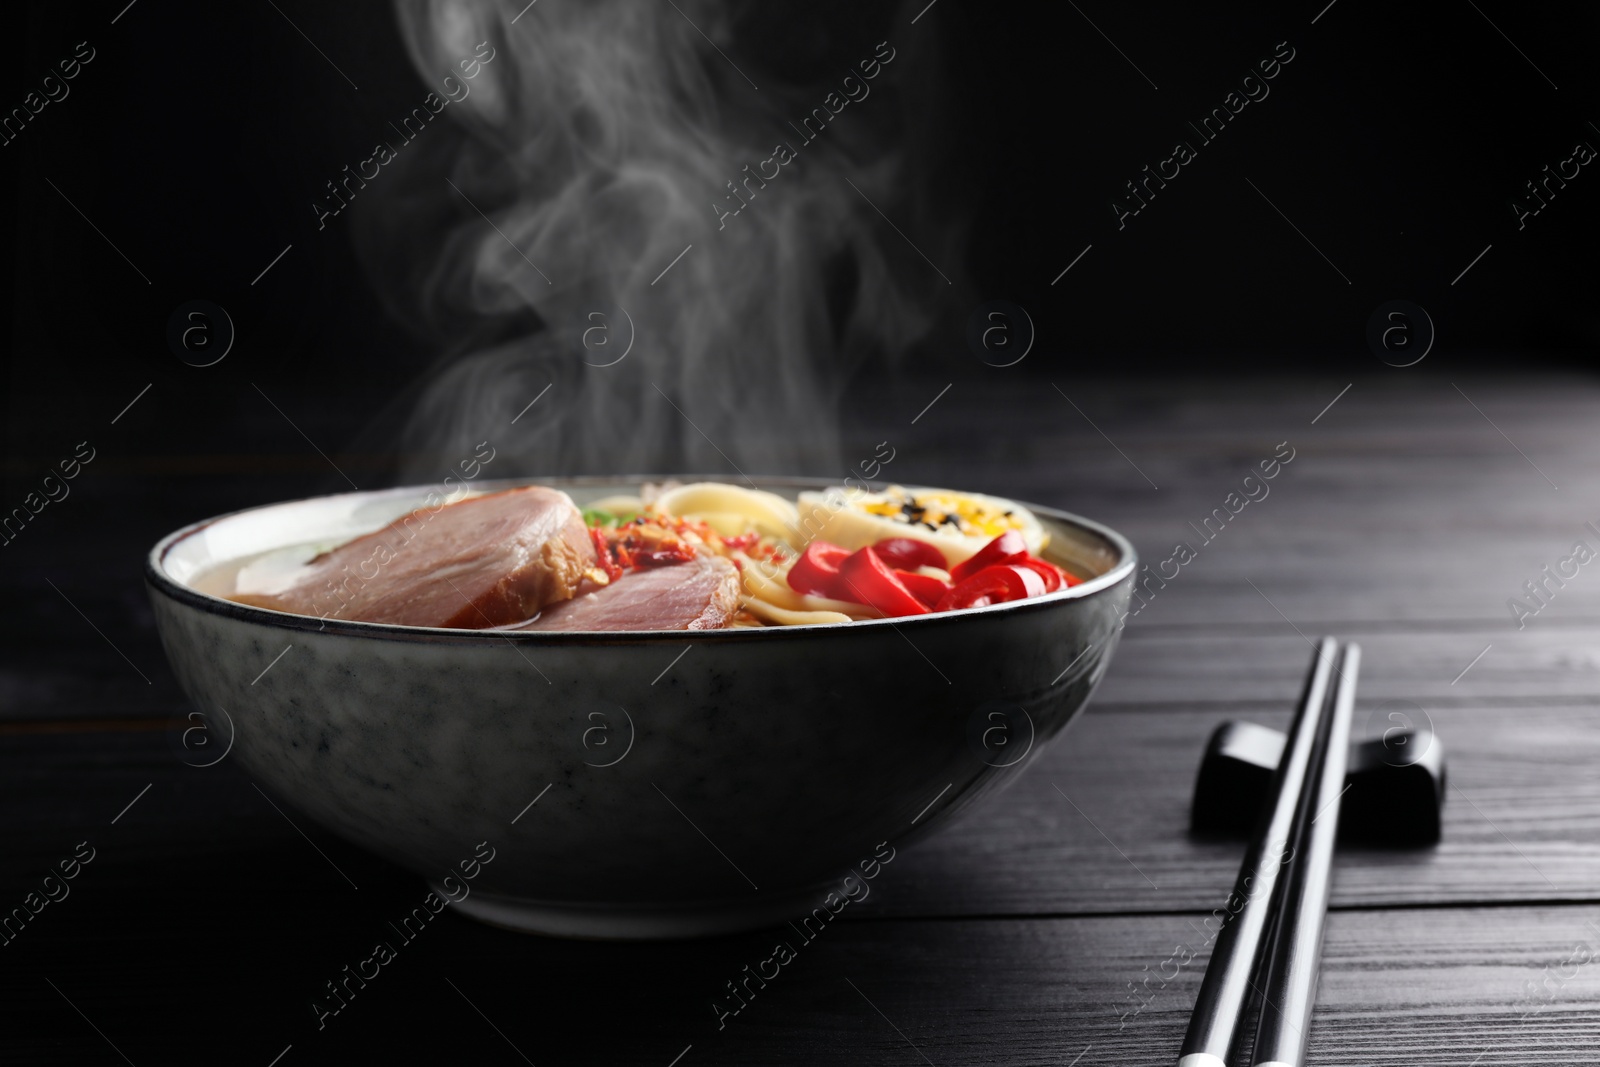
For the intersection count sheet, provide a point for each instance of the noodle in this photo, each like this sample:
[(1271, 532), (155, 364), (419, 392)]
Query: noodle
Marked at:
[(776, 592), (784, 617)]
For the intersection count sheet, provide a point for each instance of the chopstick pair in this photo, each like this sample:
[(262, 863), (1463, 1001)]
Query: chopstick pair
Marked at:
[(1280, 899)]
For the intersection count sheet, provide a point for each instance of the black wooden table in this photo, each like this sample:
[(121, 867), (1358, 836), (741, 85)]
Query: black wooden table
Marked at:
[(1048, 926)]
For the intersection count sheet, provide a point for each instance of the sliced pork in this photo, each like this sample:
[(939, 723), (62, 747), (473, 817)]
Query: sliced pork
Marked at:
[(484, 561), (697, 594)]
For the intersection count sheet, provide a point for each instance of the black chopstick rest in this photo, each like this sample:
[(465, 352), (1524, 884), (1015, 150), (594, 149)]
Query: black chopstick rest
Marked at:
[(1397, 785), (1224, 992)]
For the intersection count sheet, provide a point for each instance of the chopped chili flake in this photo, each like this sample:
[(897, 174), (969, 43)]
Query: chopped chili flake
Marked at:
[(654, 540), (602, 550)]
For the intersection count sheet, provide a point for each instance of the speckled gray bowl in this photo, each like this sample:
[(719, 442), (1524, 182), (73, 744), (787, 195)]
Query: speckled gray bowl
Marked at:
[(630, 785)]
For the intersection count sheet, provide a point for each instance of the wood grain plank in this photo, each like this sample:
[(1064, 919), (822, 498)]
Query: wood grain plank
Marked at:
[(1447, 987), (1551, 664), (1100, 823), (1097, 822), (1402, 503), (1406, 521)]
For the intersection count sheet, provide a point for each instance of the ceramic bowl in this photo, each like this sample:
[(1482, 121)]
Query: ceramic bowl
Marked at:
[(629, 785)]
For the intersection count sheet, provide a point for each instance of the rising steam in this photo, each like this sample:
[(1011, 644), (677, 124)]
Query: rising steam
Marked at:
[(597, 142)]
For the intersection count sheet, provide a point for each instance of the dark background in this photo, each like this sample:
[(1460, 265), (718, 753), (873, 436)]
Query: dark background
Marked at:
[(199, 135)]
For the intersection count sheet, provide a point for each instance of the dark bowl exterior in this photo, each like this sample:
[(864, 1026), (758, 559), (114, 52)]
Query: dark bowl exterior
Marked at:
[(674, 774)]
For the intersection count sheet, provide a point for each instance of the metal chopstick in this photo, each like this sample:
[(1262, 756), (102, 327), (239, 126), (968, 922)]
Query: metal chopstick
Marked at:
[(1219, 1008), (1289, 988)]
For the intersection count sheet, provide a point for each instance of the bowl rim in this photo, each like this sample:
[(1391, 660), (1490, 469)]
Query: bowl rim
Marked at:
[(160, 581)]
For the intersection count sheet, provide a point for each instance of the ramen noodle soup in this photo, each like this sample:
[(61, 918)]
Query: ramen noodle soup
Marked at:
[(698, 556)]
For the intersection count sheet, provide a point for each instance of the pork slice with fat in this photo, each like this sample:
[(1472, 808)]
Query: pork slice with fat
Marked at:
[(698, 594), (484, 561)]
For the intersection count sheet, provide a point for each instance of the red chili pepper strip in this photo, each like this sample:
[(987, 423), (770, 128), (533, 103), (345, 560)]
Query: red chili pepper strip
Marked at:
[(925, 587), (908, 553), (816, 572), (993, 585), (1052, 575), (864, 579), (1002, 549)]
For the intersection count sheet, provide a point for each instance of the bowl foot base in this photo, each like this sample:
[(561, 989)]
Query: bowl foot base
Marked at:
[(640, 922)]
